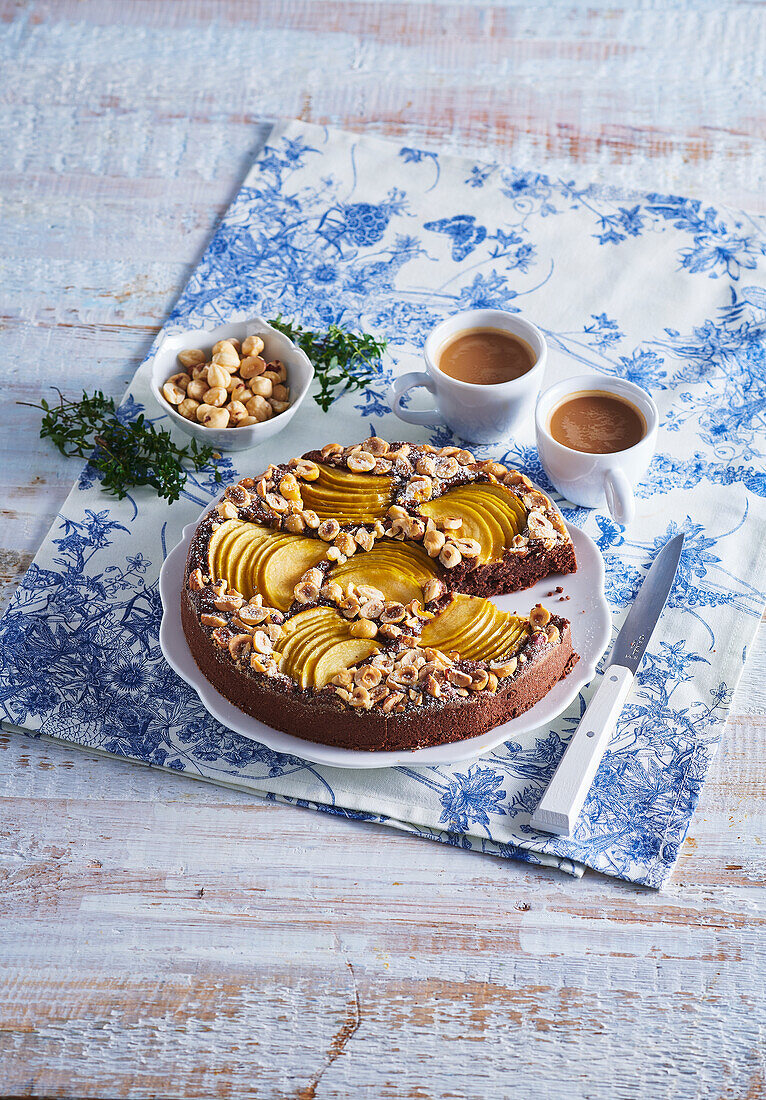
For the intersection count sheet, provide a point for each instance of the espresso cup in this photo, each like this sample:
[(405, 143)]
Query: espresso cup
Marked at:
[(474, 412), (592, 480)]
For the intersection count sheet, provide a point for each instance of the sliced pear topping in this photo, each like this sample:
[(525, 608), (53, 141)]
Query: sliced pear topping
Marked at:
[(474, 627), (347, 497), (283, 568), (252, 558), (228, 543), (398, 569), (317, 645), (490, 513)]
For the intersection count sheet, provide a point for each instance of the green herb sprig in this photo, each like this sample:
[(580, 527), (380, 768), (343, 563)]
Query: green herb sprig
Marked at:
[(342, 360), (125, 455)]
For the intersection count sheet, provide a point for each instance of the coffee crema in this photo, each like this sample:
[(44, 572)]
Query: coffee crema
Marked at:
[(596, 422), (485, 356)]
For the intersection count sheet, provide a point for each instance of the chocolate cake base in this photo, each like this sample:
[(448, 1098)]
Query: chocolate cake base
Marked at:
[(323, 718), (512, 574)]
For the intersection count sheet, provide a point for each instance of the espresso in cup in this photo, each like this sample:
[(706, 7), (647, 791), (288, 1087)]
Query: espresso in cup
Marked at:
[(596, 422), (485, 356)]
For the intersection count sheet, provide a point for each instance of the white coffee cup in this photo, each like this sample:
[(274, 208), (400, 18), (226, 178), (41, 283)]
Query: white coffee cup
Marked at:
[(588, 479), (474, 412)]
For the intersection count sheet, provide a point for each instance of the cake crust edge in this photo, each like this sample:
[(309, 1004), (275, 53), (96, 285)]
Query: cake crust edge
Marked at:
[(286, 707)]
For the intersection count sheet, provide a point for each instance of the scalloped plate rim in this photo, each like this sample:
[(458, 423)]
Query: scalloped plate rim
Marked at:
[(177, 653)]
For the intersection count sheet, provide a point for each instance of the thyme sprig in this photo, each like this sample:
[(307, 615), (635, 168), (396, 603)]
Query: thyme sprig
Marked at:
[(124, 454), (343, 360)]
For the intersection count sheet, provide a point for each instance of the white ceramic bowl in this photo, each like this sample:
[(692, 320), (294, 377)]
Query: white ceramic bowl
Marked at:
[(277, 346)]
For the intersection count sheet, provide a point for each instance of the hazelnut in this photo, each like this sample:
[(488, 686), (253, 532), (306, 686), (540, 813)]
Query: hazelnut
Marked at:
[(479, 680), (346, 544), (181, 380), (328, 529), (364, 538), (216, 396), (236, 411), (368, 676), (539, 616), (289, 488), (261, 387), (393, 701), (363, 628), (251, 367), (262, 642), (252, 345), (196, 389), (259, 408), (196, 580), (304, 469), (360, 697), (239, 646), (433, 589), (450, 556), (295, 524), (229, 602), (332, 591), (361, 462), (505, 669), (212, 620), (226, 355), (212, 417), (218, 376), (433, 541), (252, 615), (173, 394), (306, 592), (191, 357), (469, 548)]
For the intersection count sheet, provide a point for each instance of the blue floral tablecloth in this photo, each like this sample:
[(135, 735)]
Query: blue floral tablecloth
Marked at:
[(666, 291)]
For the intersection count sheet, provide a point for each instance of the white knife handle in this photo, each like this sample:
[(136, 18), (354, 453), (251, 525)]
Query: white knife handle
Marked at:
[(560, 806)]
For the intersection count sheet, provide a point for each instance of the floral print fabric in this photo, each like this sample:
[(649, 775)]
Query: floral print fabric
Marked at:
[(665, 291)]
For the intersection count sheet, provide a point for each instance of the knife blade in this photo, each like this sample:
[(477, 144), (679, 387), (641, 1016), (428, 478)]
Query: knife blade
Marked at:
[(563, 799)]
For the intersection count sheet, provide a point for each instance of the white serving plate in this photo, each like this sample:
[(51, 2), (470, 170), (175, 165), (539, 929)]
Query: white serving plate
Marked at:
[(300, 373), (586, 609)]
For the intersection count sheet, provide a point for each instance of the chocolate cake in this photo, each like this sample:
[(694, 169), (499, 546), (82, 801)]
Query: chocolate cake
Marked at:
[(341, 596)]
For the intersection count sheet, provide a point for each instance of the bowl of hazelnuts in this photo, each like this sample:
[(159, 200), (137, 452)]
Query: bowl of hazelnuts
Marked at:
[(233, 386)]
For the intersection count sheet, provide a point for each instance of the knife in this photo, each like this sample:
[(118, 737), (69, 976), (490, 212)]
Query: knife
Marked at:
[(560, 806)]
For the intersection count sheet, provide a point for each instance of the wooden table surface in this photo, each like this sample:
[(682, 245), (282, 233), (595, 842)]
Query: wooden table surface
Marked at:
[(161, 938)]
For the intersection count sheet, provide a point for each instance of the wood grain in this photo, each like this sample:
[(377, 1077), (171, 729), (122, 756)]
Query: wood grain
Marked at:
[(162, 937)]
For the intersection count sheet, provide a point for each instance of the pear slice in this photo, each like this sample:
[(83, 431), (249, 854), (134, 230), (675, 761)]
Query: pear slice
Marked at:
[(510, 512), (475, 628), (243, 572), (230, 551), (284, 567), (454, 620), (341, 656), (491, 514), (347, 497), (398, 569), (478, 523), (220, 542)]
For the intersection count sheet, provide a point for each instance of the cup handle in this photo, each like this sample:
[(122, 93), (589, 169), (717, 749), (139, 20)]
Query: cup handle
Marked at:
[(428, 418), (619, 497)]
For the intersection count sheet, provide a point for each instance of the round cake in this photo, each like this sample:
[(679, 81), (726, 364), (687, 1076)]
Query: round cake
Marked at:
[(342, 596)]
